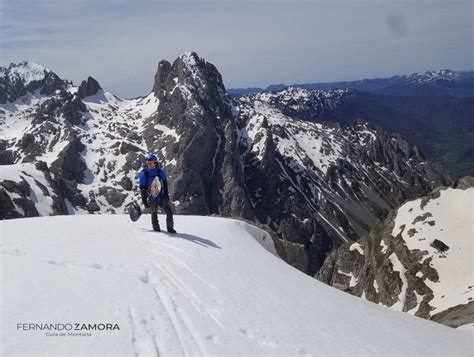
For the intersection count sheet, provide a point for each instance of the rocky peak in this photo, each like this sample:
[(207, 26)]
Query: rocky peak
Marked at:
[(191, 63), (88, 88), (20, 79), (197, 69), (26, 72), (162, 77), (189, 74), (191, 82)]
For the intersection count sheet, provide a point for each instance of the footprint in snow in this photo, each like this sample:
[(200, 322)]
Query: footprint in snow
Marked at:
[(255, 335), (145, 278), (59, 263), (97, 266), (214, 338), (16, 252)]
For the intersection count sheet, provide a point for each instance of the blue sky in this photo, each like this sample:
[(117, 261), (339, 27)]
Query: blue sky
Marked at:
[(252, 43)]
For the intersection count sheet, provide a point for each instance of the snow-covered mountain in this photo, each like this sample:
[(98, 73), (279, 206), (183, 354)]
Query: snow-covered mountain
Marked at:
[(26, 78), (200, 292), (440, 126), (418, 260), (434, 76), (85, 136), (299, 99), (314, 185), (437, 83)]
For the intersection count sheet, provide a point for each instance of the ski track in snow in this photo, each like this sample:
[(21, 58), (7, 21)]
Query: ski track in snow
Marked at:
[(189, 295), (188, 335), (184, 266), (143, 343), (173, 296)]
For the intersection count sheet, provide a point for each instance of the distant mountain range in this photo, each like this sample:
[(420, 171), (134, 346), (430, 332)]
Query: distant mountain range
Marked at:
[(433, 110), (429, 83)]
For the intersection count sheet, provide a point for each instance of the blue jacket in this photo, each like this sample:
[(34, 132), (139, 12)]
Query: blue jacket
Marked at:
[(144, 184)]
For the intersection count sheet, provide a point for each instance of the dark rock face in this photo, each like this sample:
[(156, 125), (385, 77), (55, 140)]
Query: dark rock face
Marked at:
[(456, 316), (69, 164), (59, 205), (6, 156), (64, 104), (7, 209), (51, 84), (88, 88), (72, 109), (439, 245), (112, 195), (19, 196), (30, 147), (22, 190)]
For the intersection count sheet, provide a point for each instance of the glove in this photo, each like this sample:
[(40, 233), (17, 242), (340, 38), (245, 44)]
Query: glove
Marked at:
[(145, 198)]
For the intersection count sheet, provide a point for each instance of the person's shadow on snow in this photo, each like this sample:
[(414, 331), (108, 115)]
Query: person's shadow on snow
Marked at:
[(190, 237), (195, 239)]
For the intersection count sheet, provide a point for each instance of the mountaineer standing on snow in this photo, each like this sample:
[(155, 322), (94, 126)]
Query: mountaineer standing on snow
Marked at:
[(154, 189)]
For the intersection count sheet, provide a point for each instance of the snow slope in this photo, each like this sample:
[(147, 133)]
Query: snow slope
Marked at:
[(303, 140), (445, 218), (209, 290)]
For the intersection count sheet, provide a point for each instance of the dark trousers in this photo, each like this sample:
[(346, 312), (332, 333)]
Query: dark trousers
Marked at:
[(165, 204)]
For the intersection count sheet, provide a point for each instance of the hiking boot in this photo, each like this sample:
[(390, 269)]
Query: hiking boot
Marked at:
[(154, 222), (171, 230)]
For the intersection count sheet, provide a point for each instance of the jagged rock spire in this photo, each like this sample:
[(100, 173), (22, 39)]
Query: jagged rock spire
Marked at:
[(88, 88)]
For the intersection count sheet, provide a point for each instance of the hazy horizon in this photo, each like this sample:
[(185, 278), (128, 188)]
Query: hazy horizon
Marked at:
[(252, 43)]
